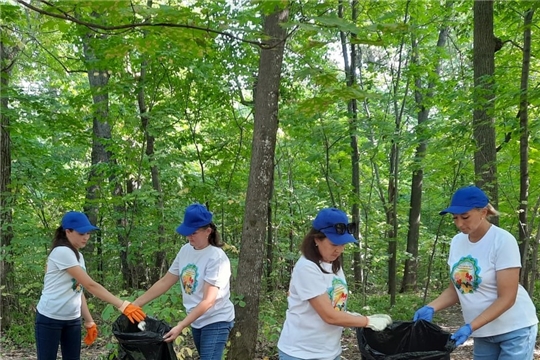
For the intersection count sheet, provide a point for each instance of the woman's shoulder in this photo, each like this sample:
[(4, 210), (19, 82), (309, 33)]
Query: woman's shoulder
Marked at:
[(217, 251), (62, 251), (305, 263), (502, 232)]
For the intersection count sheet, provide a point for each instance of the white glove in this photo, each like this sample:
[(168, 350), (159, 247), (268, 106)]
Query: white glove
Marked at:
[(378, 322)]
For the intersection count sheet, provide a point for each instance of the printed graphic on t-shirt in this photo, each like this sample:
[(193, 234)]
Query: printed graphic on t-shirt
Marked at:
[(465, 275), (338, 293), (76, 286), (189, 278)]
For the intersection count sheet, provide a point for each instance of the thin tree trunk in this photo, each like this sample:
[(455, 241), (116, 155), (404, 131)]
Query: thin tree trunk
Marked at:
[(352, 108), (523, 239), (411, 264), (160, 261), (259, 192), (391, 211)]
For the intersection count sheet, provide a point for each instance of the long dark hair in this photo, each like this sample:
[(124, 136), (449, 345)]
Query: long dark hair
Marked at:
[(60, 239), (214, 239), (311, 252)]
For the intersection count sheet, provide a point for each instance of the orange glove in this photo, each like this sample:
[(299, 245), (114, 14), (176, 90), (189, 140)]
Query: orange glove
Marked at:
[(133, 312), (91, 333)]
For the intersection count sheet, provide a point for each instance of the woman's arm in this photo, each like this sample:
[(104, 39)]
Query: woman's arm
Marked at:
[(88, 320), (159, 288), (447, 298), (209, 299), (507, 288), (93, 287), (323, 307)]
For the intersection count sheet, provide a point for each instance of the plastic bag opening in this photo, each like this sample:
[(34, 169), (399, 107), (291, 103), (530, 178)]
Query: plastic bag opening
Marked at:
[(135, 344)]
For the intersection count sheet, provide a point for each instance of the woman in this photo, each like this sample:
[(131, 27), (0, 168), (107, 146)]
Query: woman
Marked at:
[(484, 265), (58, 316), (318, 294), (203, 271)]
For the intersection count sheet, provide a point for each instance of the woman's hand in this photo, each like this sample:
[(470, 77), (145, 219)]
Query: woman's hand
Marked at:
[(91, 333), (174, 333)]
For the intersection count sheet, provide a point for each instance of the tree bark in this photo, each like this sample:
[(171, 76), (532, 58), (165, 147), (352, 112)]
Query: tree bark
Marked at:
[(259, 192), (8, 299), (485, 155)]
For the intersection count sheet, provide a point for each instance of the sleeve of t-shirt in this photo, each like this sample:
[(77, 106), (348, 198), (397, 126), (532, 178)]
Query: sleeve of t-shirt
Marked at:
[(507, 252), (175, 266), (308, 281), (218, 270), (63, 257)]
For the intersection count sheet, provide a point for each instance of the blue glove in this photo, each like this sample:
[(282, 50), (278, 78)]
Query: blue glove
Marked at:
[(462, 334), (424, 313)]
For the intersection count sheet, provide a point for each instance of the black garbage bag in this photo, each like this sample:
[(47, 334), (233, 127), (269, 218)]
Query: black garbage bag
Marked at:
[(405, 340), (134, 344)]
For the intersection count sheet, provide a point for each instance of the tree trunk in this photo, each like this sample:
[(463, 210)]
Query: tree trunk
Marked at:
[(160, 260), (411, 264), (485, 155), (523, 239), (7, 287), (392, 189), (259, 192), (98, 80), (391, 221), (352, 108)]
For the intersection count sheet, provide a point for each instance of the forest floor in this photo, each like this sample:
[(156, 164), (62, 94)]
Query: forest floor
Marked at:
[(449, 320)]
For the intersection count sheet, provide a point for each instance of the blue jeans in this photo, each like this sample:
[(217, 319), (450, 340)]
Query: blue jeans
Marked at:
[(514, 345), (210, 340), (50, 333), (283, 356)]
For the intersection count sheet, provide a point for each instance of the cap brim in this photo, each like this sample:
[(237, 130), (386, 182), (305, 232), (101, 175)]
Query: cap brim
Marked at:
[(456, 210), (185, 230), (86, 229), (341, 239)]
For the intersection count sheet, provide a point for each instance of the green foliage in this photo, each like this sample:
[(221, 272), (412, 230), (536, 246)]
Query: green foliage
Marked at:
[(238, 300), (199, 89), (271, 317), (21, 333)]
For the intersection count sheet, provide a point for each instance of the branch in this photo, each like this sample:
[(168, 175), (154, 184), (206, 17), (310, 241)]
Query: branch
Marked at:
[(507, 138), (93, 27)]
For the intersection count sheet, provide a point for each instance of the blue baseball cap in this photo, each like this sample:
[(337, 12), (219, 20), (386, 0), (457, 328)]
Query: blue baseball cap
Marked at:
[(77, 221), (196, 217), (325, 222), (466, 199)]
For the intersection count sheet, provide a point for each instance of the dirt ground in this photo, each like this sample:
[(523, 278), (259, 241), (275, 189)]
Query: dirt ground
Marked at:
[(449, 320)]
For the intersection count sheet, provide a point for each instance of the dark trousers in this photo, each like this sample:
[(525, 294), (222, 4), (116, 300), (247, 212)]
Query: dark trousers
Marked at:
[(50, 333)]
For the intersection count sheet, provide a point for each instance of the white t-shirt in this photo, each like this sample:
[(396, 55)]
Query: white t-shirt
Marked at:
[(305, 335), (194, 267), (473, 268), (61, 295)]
